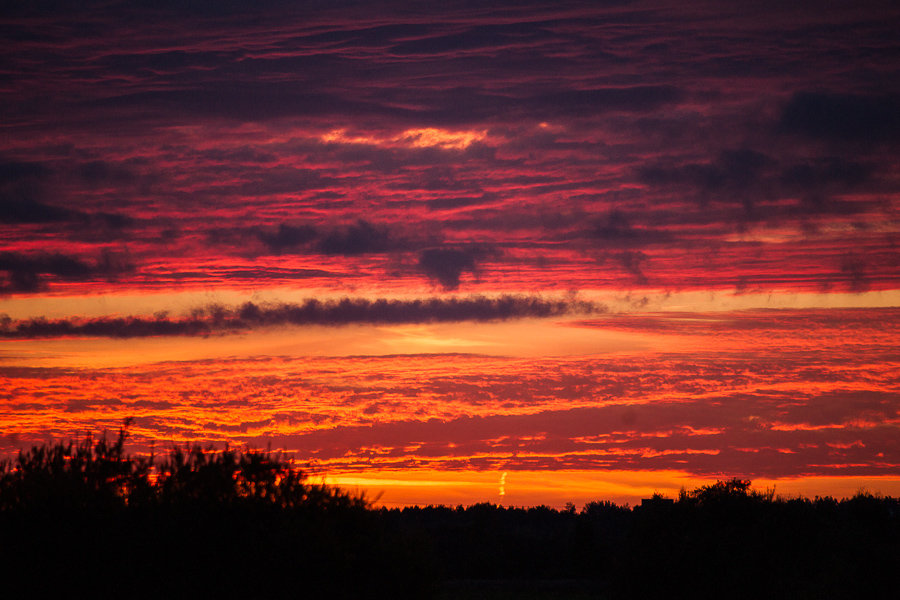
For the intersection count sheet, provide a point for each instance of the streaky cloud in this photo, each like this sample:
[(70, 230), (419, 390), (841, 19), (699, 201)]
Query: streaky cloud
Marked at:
[(219, 320), (26, 273), (357, 239), (843, 117)]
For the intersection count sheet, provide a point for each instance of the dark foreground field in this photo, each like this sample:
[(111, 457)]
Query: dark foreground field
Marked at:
[(84, 519)]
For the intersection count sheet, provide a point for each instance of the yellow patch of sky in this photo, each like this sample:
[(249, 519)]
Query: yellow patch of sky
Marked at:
[(427, 137), (520, 488), (556, 488), (521, 338), (181, 303)]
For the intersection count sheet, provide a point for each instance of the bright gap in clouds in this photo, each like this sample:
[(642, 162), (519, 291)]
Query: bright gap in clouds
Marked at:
[(426, 137), (522, 338)]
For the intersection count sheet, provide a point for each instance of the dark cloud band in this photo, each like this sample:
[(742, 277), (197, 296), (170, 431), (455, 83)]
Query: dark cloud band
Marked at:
[(215, 320)]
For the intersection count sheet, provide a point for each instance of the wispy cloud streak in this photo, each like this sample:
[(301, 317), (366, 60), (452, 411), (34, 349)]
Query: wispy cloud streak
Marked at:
[(218, 319)]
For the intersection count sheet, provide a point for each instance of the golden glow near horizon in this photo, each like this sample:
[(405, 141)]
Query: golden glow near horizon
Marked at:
[(525, 338), (556, 488)]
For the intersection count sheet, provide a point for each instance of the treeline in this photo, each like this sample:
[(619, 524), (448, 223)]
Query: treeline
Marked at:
[(87, 519), (718, 541)]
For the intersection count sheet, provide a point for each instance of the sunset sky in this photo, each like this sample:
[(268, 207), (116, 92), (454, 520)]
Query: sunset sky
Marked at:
[(511, 252)]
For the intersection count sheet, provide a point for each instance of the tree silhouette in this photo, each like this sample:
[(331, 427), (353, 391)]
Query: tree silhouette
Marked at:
[(87, 518)]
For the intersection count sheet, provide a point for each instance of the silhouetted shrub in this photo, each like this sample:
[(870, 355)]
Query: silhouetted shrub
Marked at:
[(84, 518)]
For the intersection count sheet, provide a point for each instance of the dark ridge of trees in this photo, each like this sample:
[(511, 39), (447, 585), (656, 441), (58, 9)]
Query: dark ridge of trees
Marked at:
[(723, 540), (86, 519)]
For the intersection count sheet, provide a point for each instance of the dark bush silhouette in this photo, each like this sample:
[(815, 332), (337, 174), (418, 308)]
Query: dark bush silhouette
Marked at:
[(84, 518), (97, 475)]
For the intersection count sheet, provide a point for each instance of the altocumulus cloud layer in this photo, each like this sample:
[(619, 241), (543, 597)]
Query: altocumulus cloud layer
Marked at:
[(755, 394), (517, 146)]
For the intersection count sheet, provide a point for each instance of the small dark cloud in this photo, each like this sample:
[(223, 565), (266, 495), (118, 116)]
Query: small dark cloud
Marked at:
[(731, 170), (614, 230), (842, 117), (255, 274), (21, 208), (356, 239), (20, 194), (25, 273), (853, 270), (112, 264), (111, 220), (101, 172), (826, 171), (29, 273), (24, 192), (633, 262), (755, 180), (625, 99), (460, 202), (287, 237), (262, 273), (819, 184), (216, 319), (446, 265), (245, 238), (13, 171), (361, 237)]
